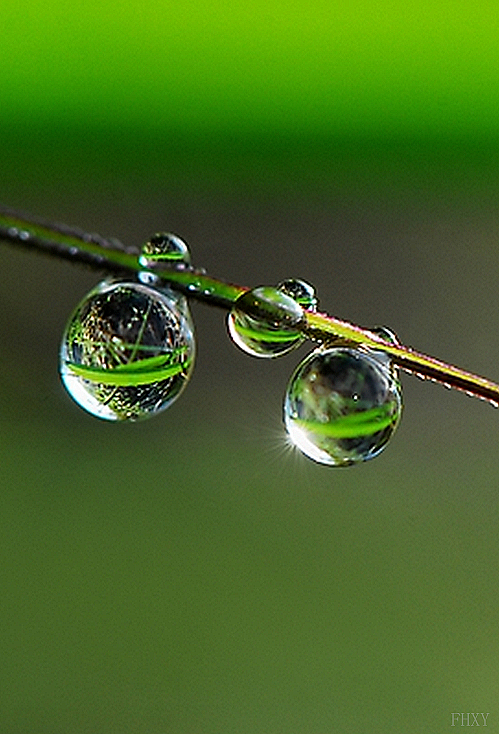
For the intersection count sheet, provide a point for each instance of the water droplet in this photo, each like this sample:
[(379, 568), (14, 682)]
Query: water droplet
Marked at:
[(342, 406), (148, 278), (128, 351), (301, 291), (389, 336), (264, 321), (386, 333), (164, 247)]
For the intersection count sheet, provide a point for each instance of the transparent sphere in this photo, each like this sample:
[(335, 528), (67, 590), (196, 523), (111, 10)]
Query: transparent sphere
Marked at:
[(127, 351), (342, 406), (386, 333), (389, 336), (165, 247), (264, 322), (301, 291)]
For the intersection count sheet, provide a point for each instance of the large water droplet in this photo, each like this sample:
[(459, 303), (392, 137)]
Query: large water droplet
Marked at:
[(128, 350), (342, 406), (264, 321)]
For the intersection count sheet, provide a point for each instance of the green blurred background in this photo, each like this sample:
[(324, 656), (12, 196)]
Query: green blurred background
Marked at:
[(190, 574)]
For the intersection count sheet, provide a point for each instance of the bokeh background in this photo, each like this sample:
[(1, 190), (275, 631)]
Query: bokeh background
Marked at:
[(191, 574)]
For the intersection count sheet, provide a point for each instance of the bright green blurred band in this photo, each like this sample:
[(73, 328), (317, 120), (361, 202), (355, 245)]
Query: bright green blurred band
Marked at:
[(357, 96), (419, 67)]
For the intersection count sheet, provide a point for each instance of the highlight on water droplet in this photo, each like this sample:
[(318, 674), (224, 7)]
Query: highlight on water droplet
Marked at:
[(127, 351), (342, 406), (265, 321)]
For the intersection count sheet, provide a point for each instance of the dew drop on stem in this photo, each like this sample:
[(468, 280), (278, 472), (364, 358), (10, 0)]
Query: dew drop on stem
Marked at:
[(265, 322), (342, 406), (127, 351)]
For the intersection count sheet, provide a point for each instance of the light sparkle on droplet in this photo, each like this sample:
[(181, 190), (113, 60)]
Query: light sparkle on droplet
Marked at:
[(342, 406)]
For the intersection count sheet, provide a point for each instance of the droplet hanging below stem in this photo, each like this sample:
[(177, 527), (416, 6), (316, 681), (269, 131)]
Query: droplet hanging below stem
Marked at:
[(112, 256)]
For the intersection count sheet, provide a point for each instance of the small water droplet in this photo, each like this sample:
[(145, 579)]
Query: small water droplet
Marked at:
[(165, 247), (342, 406), (148, 278), (386, 333), (127, 352), (302, 292), (389, 336), (264, 321)]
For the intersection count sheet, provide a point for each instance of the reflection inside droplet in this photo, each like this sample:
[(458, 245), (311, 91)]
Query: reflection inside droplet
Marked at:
[(342, 406), (128, 350), (264, 322)]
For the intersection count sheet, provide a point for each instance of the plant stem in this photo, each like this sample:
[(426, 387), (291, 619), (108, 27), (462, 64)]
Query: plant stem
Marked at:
[(111, 256)]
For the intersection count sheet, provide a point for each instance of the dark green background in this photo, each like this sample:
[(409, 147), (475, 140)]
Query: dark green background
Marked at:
[(191, 574)]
